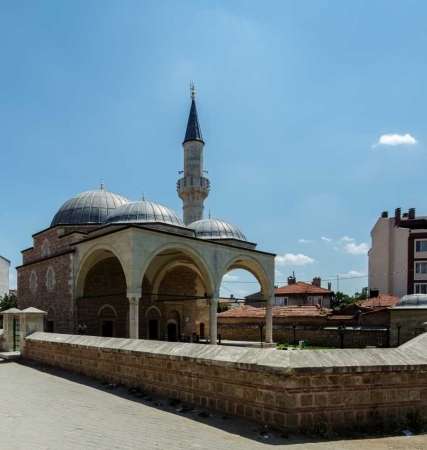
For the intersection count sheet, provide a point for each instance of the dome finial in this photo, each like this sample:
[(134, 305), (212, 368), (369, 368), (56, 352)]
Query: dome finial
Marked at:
[(209, 214), (192, 90), (143, 196), (102, 185)]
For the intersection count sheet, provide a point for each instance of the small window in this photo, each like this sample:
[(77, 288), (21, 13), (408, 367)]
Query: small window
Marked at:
[(50, 279), (421, 246), (33, 282), (421, 267), (314, 300), (281, 301), (45, 249), (420, 289)]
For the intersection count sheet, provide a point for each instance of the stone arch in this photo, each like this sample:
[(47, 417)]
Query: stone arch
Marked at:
[(195, 257), (102, 305), (151, 308), (253, 266), (93, 255), (105, 308)]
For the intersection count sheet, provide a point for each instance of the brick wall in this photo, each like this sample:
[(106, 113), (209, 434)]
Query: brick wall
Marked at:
[(105, 285), (291, 390)]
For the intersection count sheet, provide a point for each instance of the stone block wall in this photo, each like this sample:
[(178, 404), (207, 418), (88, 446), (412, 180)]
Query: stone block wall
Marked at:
[(290, 390), (316, 336)]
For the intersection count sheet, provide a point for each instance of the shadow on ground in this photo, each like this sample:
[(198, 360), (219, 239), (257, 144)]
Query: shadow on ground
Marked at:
[(228, 423)]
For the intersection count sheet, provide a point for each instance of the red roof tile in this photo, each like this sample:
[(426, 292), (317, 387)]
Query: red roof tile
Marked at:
[(278, 311), (382, 301), (301, 288)]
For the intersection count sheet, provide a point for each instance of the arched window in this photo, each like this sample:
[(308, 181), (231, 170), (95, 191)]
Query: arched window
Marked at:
[(45, 249), (50, 279), (33, 282)]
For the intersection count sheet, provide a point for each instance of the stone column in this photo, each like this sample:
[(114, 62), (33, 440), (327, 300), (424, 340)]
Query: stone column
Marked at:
[(269, 320), (213, 318), (133, 316)]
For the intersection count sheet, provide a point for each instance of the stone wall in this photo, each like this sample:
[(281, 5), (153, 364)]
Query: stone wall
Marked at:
[(287, 389), (317, 336)]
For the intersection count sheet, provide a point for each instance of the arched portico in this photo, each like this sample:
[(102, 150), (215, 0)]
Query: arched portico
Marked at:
[(261, 272)]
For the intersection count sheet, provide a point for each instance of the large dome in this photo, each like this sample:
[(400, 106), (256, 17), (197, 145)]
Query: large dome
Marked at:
[(216, 229), (143, 212), (88, 207)]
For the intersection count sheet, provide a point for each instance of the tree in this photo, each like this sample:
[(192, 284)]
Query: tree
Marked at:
[(8, 301), (341, 300)]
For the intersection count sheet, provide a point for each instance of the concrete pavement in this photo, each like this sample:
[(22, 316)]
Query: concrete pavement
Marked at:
[(45, 408)]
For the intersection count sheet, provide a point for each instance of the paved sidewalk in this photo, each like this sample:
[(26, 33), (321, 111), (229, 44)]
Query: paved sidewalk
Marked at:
[(43, 408)]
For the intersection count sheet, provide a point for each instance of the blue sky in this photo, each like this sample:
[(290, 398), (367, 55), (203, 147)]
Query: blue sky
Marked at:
[(296, 101)]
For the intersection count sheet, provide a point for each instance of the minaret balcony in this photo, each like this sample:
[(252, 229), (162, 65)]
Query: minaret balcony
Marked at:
[(193, 182)]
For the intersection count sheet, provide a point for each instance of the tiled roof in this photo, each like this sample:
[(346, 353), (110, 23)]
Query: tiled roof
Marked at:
[(301, 288), (278, 311), (382, 301), (342, 317)]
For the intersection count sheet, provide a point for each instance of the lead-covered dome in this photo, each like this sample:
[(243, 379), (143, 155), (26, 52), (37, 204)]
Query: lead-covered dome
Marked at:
[(216, 229), (143, 212), (412, 301), (88, 207)]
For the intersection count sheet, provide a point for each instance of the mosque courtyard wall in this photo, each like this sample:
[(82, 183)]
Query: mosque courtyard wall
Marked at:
[(291, 390)]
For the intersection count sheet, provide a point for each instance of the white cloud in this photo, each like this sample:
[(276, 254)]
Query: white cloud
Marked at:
[(278, 273), (305, 241), (290, 259), (346, 239), (396, 139), (356, 249), (353, 273), (326, 239), (228, 277)]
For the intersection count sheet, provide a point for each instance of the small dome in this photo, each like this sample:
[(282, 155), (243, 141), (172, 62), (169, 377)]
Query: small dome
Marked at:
[(412, 301), (88, 207), (143, 212), (216, 229)]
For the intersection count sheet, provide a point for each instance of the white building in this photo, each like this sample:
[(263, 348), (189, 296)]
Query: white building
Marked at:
[(4, 275), (398, 254)]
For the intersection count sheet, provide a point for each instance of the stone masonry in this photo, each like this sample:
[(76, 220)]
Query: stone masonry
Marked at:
[(291, 390)]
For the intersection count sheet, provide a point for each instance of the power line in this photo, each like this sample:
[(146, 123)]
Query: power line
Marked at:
[(330, 279)]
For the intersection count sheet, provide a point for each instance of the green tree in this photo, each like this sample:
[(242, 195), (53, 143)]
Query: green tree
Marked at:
[(359, 296), (8, 301)]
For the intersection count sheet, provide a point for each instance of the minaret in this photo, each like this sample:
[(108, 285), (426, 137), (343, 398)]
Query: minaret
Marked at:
[(193, 188)]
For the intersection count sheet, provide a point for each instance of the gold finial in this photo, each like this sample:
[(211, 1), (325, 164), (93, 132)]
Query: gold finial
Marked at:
[(102, 185), (143, 196), (192, 91)]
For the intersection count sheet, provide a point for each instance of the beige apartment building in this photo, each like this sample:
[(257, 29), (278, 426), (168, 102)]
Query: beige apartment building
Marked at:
[(398, 254)]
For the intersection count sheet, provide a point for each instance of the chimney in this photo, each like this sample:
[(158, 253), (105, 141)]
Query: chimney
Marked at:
[(374, 293), (291, 280), (411, 213), (317, 281), (397, 217), (384, 214), (329, 286)]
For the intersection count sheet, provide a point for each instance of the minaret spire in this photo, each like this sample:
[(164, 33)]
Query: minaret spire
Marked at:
[(193, 187), (193, 131)]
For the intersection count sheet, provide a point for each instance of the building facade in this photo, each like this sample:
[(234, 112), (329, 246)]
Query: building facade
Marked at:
[(4, 276), (296, 293), (108, 266), (398, 254)]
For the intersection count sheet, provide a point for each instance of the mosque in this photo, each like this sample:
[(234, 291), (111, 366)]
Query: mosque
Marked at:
[(108, 266)]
